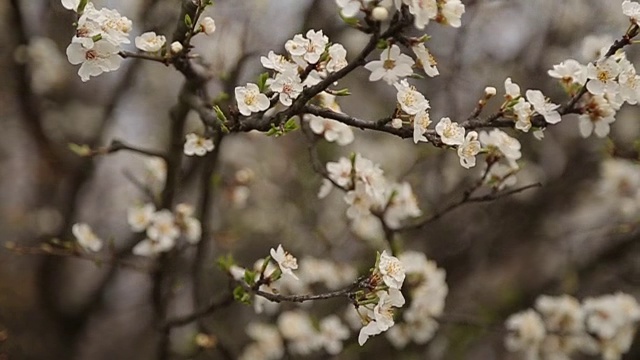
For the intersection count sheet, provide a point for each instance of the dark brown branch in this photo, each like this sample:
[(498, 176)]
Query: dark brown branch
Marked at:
[(127, 54), (119, 145)]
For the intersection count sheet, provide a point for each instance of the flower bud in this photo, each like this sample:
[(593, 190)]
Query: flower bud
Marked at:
[(489, 91), (379, 13), (208, 25), (396, 123), (176, 47)]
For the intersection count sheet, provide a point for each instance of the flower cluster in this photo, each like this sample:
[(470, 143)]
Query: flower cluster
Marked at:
[(610, 81), (448, 12), (620, 186), (378, 317), (290, 72), (301, 334), (522, 109), (500, 146), (369, 193), (98, 40), (427, 294), (561, 326), (163, 227), (415, 106)]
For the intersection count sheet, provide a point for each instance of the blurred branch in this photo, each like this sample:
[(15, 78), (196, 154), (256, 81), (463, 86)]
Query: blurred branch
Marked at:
[(213, 306), (46, 249), (468, 199), (118, 145), (27, 99)]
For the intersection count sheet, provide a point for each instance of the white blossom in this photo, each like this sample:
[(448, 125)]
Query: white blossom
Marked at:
[(420, 123), (340, 172), (512, 89), (151, 247), (197, 145), (250, 99), (527, 332), (392, 270), (163, 227), (401, 206), (500, 141), (423, 11), (288, 86), (150, 42), (522, 110), (468, 150), (208, 25), (337, 58), (101, 57), (139, 217), (86, 237), (632, 10), (285, 260), (349, 8), (452, 11), (426, 60), (451, 133), (332, 130), (411, 101), (277, 62), (569, 71), (392, 66), (543, 107), (602, 76), (596, 119), (308, 48), (381, 317)]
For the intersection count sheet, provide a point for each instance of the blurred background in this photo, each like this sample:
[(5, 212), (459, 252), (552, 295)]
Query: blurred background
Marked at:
[(577, 234)]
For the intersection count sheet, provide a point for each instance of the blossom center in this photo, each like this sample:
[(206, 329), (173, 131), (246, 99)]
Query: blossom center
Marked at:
[(389, 64)]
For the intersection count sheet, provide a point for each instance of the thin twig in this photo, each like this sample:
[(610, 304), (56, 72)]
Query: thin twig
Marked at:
[(467, 200)]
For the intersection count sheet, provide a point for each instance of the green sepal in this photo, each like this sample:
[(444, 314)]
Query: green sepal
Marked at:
[(250, 277), (241, 295), (262, 81)]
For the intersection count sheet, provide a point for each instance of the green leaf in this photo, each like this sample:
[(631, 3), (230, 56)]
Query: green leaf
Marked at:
[(188, 21), (262, 81), (241, 295)]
